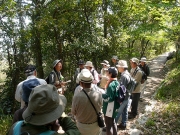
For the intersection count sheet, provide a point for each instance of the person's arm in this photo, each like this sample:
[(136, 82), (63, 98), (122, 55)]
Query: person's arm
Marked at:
[(18, 94), (124, 80), (73, 108), (138, 76), (96, 77), (147, 70), (110, 93), (68, 126)]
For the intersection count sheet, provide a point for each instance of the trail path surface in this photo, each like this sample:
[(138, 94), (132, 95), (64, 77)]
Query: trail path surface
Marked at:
[(148, 104)]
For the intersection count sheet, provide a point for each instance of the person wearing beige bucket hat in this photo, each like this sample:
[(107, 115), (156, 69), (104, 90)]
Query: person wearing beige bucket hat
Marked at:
[(125, 80), (44, 113), (137, 75), (103, 75), (90, 67), (86, 117)]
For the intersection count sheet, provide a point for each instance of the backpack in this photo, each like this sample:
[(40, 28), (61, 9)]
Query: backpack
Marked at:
[(17, 130), (123, 91), (27, 87), (121, 94), (47, 78), (131, 86), (144, 76)]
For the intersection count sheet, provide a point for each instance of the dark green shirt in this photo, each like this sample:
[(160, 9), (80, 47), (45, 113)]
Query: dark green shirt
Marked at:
[(66, 123)]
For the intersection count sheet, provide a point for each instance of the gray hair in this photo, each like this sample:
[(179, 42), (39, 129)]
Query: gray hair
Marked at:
[(30, 73)]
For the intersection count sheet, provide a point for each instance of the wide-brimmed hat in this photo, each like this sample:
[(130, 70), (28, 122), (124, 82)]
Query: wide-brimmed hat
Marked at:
[(122, 63), (88, 64), (85, 76), (143, 59), (56, 62), (81, 62), (29, 68), (114, 57), (135, 60), (45, 105), (105, 62)]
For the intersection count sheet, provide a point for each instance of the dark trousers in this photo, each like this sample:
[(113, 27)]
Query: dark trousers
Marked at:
[(111, 127), (134, 104)]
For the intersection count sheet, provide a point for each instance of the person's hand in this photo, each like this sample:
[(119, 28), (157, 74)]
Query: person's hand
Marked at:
[(54, 125), (63, 83)]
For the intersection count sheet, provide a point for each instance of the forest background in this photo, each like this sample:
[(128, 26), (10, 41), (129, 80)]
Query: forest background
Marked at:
[(41, 31)]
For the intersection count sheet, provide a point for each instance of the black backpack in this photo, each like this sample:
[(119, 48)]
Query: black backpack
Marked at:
[(121, 94), (144, 76), (47, 78)]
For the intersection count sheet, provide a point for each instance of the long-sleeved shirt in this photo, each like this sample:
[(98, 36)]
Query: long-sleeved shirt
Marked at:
[(137, 77)]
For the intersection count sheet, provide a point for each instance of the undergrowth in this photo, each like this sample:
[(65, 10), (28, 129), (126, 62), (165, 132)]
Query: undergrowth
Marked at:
[(167, 120), (5, 124)]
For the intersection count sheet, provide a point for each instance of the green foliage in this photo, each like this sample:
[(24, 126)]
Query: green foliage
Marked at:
[(5, 123), (170, 88), (150, 122)]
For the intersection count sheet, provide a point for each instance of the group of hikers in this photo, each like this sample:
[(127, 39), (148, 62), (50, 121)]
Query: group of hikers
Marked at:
[(43, 103)]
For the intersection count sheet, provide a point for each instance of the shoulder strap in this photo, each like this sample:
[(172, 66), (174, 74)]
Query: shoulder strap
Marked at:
[(90, 101), (92, 72), (136, 70), (17, 128), (49, 132)]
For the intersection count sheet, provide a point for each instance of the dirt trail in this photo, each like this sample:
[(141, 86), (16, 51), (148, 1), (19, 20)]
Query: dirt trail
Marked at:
[(148, 104)]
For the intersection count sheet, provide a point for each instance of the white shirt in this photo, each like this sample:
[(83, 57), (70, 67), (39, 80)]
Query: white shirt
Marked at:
[(19, 90)]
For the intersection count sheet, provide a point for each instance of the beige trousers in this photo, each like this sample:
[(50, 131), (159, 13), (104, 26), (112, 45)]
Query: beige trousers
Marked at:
[(88, 129)]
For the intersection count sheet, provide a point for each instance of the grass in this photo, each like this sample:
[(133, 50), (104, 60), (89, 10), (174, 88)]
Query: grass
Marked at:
[(167, 120), (5, 123)]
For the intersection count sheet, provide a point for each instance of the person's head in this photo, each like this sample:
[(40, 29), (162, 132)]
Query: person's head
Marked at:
[(85, 78), (112, 72), (30, 70), (114, 59), (105, 64), (57, 65), (89, 65), (122, 65), (143, 61), (45, 105), (81, 64), (134, 62)]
